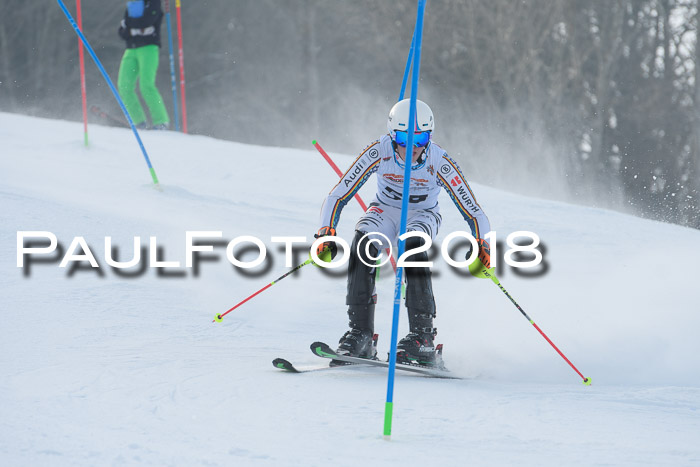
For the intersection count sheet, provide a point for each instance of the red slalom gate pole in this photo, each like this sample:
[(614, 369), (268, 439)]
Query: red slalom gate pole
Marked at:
[(337, 170), (221, 316), (182, 66), (81, 54), (357, 195), (586, 381)]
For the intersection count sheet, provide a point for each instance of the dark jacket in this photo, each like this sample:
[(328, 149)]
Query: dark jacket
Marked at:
[(145, 30)]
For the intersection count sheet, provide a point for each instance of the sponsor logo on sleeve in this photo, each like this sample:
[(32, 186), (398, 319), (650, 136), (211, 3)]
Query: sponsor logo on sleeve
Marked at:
[(350, 179), (466, 199)]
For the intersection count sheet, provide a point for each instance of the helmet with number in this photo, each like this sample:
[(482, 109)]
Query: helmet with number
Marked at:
[(399, 113)]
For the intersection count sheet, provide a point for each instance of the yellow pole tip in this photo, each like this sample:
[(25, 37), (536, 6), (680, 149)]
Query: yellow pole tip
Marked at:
[(218, 318)]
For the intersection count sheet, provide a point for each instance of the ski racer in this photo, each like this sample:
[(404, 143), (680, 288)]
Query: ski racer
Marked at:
[(432, 169)]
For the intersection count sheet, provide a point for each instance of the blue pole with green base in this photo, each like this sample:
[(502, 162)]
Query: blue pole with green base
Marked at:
[(418, 37), (111, 86)]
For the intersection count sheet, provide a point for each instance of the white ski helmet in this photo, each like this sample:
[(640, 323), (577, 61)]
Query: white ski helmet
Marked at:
[(398, 116)]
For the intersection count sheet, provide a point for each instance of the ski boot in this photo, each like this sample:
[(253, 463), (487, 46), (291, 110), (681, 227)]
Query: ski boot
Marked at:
[(361, 343), (417, 348)]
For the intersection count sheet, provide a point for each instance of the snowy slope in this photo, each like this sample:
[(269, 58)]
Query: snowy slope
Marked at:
[(98, 369)]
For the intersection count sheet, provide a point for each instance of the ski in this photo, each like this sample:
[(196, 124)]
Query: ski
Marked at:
[(324, 351), (107, 117), (288, 366)]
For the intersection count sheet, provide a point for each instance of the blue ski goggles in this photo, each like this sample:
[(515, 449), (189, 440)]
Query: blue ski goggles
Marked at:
[(419, 139)]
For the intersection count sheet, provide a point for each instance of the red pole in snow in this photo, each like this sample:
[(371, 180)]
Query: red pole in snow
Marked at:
[(182, 66), (82, 70)]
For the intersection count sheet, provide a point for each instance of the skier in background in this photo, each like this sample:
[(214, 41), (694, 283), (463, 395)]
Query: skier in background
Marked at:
[(140, 28), (432, 169)]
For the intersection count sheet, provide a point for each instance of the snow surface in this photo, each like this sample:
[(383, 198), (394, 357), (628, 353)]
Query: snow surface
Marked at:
[(97, 369)]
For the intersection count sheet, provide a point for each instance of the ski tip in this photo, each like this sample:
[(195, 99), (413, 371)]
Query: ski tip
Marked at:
[(317, 345), (283, 364), (322, 350)]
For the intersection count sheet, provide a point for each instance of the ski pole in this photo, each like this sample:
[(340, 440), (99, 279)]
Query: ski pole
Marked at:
[(221, 316), (489, 275)]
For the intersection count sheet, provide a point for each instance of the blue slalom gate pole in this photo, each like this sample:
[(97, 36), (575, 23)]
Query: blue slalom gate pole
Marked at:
[(408, 161), (408, 67), (171, 57), (111, 86)]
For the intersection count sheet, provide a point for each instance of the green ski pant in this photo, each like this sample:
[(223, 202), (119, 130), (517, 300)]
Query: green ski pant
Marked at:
[(141, 64)]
